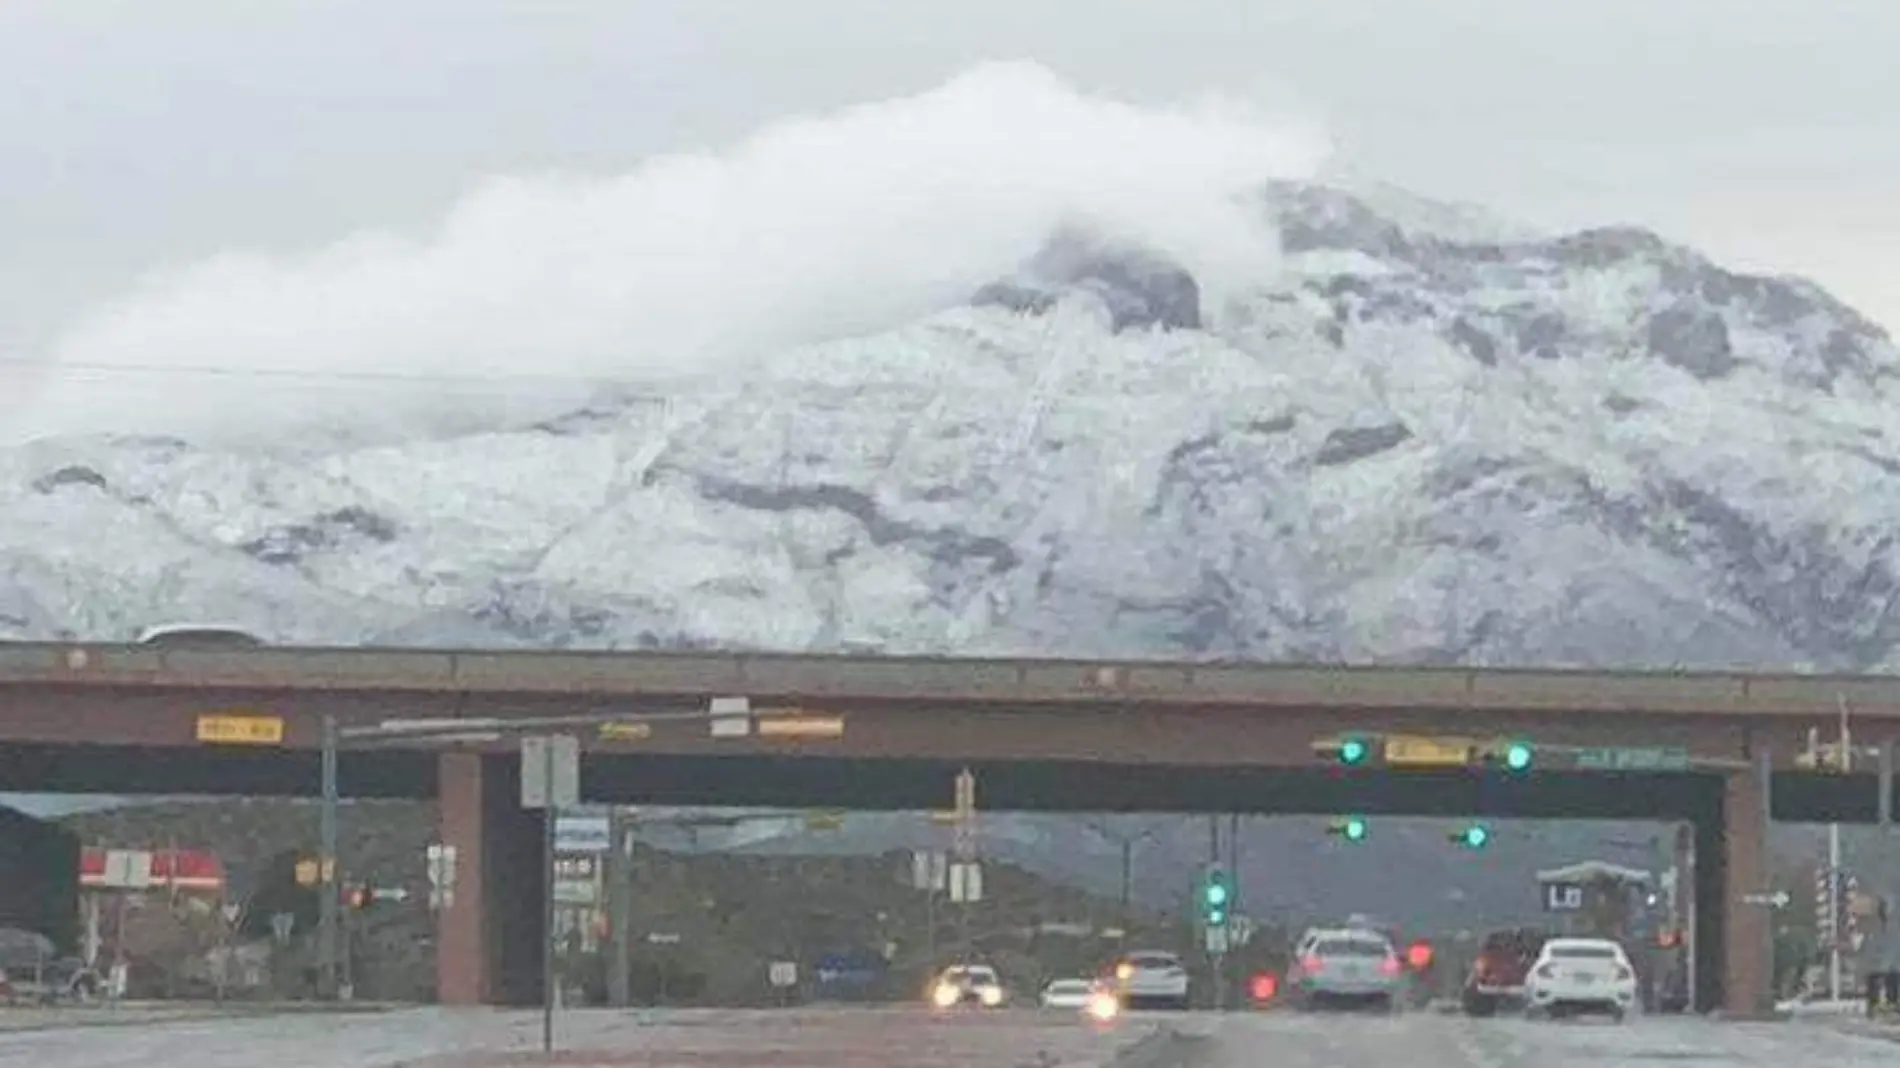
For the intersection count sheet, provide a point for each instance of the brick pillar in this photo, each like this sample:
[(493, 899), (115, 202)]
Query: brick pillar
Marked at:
[(1747, 953), (463, 956)]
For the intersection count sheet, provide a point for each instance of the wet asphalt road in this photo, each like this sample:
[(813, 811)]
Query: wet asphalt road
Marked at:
[(914, 1038)]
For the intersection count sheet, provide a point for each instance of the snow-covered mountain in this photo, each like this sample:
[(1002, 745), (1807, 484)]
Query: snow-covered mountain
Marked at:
[(1419, 442)]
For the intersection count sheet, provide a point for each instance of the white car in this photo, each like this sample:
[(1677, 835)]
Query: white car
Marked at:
[(199, 636), (968, 983), (1580, 975), (1068, 994), (1152, 977)]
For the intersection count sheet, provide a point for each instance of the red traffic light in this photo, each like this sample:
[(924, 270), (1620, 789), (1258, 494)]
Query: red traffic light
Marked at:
[(1263, 986), (1418, 956), (357, 897)]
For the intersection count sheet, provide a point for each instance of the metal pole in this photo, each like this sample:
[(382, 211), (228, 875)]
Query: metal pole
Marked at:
[(547, 903), (1233, 853), (1834, 878), (620, 916), (1886, 784), (327, 868), (1765, 776), (1217, 961), (1128, 880)]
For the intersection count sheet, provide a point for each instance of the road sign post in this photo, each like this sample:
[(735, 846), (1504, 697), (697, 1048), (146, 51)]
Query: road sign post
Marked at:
[(550, 781)]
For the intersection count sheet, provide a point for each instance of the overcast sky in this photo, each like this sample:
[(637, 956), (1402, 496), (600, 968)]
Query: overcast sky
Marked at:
[(135, 135)]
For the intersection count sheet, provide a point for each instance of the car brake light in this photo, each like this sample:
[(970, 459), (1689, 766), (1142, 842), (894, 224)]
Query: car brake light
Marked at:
[(1548, 971), (1311, 964), (1623, 973), (1390, 966)]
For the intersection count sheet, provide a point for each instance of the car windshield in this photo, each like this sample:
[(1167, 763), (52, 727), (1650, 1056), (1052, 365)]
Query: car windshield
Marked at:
[(1155, 960), (1068, 986), (1351, 947)]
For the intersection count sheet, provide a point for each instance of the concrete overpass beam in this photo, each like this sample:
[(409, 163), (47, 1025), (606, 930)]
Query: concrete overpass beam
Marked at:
[(1748, 947)]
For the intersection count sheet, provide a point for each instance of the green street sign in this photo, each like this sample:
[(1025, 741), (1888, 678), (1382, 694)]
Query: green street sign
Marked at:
[(1652, 759)]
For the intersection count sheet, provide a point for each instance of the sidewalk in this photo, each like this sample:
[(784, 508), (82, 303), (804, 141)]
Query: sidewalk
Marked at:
[(19, 1018)]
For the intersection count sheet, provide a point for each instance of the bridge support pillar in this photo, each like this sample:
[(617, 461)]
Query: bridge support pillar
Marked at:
[(463, 956), (489, 938), (1748, 949)]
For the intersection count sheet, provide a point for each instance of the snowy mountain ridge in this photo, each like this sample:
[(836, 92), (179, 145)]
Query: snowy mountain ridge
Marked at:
[(1595, 448)]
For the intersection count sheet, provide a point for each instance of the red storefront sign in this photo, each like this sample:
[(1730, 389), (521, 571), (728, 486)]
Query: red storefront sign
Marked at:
[(159, 869)]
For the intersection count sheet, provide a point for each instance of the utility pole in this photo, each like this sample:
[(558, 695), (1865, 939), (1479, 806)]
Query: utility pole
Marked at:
[(620, 909), (327, 873), (966, 884), (1128, 882), (1217, 961), (1834, 861)]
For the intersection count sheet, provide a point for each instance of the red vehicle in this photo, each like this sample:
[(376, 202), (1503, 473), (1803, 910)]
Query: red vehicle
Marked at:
[(1503, 964)]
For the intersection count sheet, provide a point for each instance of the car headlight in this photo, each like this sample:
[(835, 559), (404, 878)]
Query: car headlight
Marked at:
[(1104, 1005), (991, 995), (945, 995)]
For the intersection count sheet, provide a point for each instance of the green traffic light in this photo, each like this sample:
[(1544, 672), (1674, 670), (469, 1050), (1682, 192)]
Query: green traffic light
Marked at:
[(1216, 895), (1354, 751), (1356, 830), (1476, 836), (1517, 756)]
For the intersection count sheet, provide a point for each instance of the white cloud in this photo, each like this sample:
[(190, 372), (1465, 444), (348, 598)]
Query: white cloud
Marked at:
[(816, 226)]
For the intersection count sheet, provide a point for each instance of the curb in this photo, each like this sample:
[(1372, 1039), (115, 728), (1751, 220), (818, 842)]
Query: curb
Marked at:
[(140, 1018)]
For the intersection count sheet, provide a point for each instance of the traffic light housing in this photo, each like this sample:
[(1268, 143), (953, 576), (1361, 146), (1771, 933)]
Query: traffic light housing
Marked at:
[(1348, 750), (1354, 751), (1352, 828), (1473, 836), (1515, 756), (1217, 896)]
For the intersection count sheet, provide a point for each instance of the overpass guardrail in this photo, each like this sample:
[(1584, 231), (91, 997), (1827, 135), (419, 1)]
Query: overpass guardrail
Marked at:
[(922, 679)]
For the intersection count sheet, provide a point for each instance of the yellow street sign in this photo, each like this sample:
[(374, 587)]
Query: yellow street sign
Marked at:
[(241, 730), (1427, 751), (802, 727), (625, 732), (307, 872)]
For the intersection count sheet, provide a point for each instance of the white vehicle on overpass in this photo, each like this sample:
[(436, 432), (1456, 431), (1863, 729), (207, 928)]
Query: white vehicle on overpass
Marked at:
[(199, 636)]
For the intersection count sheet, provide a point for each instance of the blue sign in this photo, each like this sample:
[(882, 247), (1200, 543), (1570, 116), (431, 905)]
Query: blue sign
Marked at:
[(849, 969)]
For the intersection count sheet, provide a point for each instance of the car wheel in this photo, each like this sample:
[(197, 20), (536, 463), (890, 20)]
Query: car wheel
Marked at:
[(1476, 1004), (1617, 1013)]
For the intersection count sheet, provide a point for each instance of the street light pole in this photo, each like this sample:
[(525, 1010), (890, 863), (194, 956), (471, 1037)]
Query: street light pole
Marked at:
[(327, 873), (620, 910), (1834, 963)]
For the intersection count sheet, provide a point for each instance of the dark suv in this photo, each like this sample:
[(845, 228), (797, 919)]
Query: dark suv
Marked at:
[(1503, 963)]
